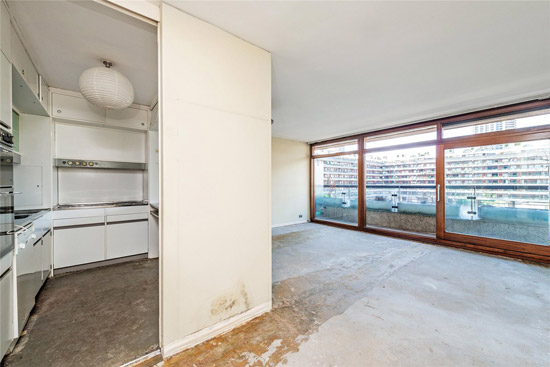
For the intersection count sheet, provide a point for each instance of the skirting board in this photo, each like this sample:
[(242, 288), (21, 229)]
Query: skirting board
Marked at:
[(215, 330), (289, 224)]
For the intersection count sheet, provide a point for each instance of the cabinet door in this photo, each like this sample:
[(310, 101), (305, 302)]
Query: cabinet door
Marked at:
[(126, 239), (76, 108), (130, 117), (6, 312), (5, 31), (37, 265), (31, 76), (5, 92), (44, 95), (18, 53), (79, 245), (46, 256)]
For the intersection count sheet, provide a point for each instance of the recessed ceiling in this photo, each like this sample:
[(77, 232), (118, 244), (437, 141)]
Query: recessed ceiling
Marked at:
[(66, 37), (346, 67)]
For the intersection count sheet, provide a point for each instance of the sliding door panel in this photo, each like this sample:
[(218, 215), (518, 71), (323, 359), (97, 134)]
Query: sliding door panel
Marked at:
[(499, 191), (400, 189), (336, 194)]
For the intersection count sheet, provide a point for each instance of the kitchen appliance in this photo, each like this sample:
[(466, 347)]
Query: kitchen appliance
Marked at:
[(6, 194), (6, 241), (84, 163)]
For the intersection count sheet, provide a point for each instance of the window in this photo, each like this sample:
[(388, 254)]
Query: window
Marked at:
[(403, 137), (511, 122), (336, 197), (400, 189), (491, 205), (339, 147)]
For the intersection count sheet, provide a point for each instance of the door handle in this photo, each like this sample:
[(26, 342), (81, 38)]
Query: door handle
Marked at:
[(10, 193), (438, 190)]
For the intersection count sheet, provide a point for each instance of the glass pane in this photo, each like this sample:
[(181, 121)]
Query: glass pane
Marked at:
[(340, 147), (400, 189), (336, 188), (403, 137), (499, 191), (518, 121)]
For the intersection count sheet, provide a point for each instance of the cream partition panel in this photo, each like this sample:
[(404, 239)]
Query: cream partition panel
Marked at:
[(289, 182), (215, 180)]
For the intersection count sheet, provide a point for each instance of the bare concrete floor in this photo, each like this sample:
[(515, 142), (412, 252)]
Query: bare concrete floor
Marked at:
[(346, 298), (99, 317)]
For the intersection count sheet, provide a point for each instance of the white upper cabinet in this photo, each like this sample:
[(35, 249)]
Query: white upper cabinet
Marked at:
[(77, 109), (22, 62), (72, 107), (44, 95), (134, 118), (5, 31), (5, 93)]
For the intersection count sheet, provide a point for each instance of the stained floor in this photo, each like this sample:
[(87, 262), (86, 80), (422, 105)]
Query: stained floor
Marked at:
[(99, 317), (346, 298)]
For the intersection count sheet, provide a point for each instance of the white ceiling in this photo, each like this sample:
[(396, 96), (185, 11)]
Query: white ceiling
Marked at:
[(66, 37), (348, 67)]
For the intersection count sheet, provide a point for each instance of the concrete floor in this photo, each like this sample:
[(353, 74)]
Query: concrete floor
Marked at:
[(347, 298), (99, 317)]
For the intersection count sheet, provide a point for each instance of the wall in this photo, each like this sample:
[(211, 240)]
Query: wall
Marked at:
[(33, 177), (289, 182), (215, 169), (84, 185)]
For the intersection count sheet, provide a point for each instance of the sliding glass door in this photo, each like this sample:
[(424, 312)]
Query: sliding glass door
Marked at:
[(499, 191), (400, 189)]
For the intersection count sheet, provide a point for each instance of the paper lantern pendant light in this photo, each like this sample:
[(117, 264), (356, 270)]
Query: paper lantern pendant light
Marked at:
[(105, 87)]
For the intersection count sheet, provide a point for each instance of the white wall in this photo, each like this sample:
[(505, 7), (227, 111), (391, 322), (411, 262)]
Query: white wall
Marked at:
[(33, 177), (84, 185), (289, 182), (215, 167)]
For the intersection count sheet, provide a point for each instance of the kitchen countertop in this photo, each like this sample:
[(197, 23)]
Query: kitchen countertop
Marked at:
[(33, 215), (113, 204)]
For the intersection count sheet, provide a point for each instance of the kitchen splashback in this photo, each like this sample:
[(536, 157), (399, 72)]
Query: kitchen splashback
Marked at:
[(81, 185)]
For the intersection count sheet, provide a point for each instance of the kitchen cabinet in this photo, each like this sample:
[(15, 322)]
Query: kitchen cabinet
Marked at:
[(76, 109), (26, 283), (5, 31), (6, 312), (83, 236), (79, 245), (5, 93), (131, 117), (46, 256), (22, 62), (44, 94), (126, 238), (37, 265), (154, 117)]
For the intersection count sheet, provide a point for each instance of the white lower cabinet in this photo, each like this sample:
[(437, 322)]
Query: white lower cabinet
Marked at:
[(46, 255), (79, 245), (6, 311), (126, 239)]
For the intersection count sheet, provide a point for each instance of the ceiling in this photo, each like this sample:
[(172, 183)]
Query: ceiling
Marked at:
[(349, 67), (66, 37)]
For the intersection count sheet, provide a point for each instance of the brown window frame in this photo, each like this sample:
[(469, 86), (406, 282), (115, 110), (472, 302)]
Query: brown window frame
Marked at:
[(514, 249)]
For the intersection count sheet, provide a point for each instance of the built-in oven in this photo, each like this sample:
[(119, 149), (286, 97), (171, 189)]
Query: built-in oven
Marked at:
[(7, 238)]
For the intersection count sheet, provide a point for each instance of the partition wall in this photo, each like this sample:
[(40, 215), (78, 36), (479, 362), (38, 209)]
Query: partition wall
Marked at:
[(477, 181)]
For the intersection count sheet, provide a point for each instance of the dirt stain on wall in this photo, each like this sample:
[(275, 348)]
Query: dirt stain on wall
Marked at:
[(233, 302)]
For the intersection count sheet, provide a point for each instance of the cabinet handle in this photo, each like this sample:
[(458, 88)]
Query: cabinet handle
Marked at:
[(58, 111), (438, 188)]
